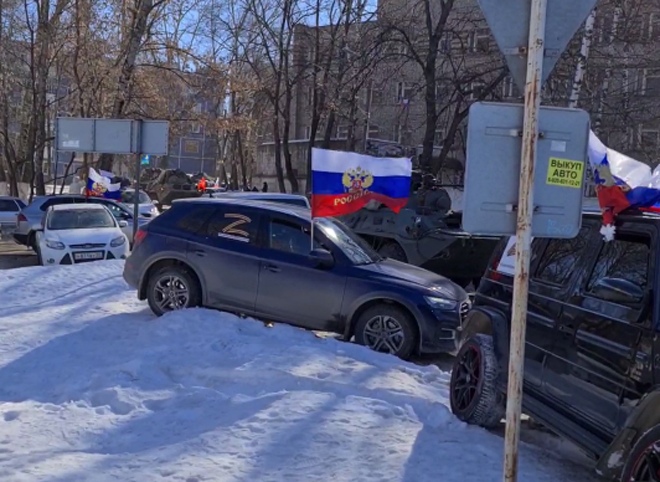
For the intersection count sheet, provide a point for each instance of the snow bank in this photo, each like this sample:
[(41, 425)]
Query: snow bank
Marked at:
[(94, 388)]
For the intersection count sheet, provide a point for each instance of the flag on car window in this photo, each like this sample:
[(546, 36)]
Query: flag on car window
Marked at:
[(344, 182), (621, 183), (100, 186)]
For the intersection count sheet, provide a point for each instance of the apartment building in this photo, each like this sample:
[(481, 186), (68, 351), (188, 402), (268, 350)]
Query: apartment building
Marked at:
[(387, 114)]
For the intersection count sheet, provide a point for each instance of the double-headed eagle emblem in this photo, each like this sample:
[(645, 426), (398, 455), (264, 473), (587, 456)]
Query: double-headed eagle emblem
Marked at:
[(357, 179)]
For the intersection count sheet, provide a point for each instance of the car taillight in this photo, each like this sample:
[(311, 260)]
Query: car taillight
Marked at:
[(21, 218), (492, 272), (139, 237)]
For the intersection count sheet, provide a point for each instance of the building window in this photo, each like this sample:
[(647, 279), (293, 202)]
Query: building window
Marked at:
[(342, 131), (476, 89), (404, 92), (397, 133), (510, 89), (652, 26), (198, 108), (374, 131), (651, 82), (438, 136), (479, 41), (191, 147), (310, 95), (649, 139), (308, 133), (375, 96), (196, 128)]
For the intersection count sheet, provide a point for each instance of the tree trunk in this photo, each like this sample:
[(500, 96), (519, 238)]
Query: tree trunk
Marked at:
[(279, 172), (135, 32), (583, 56)]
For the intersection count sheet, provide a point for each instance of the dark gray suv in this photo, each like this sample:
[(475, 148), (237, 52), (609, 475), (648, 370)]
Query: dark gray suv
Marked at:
[(256, 258)]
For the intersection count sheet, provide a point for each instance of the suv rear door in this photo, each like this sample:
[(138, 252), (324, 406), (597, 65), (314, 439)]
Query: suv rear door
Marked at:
[(600, 331), (227, 251)]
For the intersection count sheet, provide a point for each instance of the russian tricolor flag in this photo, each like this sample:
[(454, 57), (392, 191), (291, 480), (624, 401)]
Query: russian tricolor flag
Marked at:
[(344, 182), (100, 186), (621, 183)]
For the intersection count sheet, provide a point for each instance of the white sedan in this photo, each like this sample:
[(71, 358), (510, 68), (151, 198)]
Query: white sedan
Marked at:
[(75, 233)]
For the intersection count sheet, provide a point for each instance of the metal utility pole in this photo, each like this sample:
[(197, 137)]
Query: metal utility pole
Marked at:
[(530, 136)]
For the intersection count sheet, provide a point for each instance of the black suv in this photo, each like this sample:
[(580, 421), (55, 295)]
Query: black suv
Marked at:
[(256, 258), (592, 353)]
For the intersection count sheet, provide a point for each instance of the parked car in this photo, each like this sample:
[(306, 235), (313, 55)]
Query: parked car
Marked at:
[(77, 233), (31, 217), (9, 208), (592, 350), (146, 207), (256, 258), (277, 197)]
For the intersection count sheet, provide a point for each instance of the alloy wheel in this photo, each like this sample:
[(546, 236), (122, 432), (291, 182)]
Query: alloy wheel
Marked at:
[(171, 293), (466, 386), (384, 334), (647, 467)]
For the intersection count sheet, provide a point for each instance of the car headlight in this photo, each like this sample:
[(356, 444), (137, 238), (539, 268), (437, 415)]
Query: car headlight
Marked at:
[(440, 303), (118, 241), (52, 244)]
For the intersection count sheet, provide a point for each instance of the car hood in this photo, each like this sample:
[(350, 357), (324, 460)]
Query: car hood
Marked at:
[(85, 236), (404, 273)]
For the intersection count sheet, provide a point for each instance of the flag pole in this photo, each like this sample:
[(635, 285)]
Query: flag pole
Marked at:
[(311, 198)]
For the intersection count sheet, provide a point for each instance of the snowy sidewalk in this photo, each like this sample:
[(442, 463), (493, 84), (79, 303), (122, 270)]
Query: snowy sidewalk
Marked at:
[(94, 388)]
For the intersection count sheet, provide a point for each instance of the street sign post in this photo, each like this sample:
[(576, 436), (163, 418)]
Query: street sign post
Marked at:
[(509, 22), (490, 200), (519, 27), (114, 136)]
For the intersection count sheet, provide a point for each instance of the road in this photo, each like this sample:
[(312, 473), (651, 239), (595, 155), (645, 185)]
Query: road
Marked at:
[(14, 255)]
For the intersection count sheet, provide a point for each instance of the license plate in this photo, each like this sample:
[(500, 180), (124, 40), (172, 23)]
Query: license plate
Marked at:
[(88, 255)]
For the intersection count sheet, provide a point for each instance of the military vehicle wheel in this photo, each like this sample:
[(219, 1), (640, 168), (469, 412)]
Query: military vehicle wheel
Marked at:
[(394, 251)]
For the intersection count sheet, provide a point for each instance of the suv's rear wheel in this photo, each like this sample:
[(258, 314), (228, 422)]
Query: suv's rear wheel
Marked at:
[(387, 329), (172, 288), (643, 464), (474, 397)]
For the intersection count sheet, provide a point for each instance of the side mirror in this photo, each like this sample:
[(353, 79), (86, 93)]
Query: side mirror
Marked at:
[(322, 258), (618, 290), (123, 224)]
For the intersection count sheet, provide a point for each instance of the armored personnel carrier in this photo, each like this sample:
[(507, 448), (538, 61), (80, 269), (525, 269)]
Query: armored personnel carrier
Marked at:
[(425, 233), (164, 186)]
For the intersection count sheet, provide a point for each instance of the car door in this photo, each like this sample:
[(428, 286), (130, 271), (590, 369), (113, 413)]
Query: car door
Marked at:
[(552, 280), (291, 288), (602, 330), (226, 251), (8, 212)]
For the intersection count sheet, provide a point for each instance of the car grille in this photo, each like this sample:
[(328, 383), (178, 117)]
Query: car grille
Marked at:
[(463, 310), (87, 246)]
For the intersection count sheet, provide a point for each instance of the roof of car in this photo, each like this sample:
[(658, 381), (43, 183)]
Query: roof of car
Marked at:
[(77, 207), (259, 194), (298, 211)]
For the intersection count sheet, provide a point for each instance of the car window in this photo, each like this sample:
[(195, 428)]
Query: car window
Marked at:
[(626, 257), (55, 202), (560, 257), (8, 205), (20, 203), (116, 211), (234, 225), (290, 237), (80, 219), (193, 219)]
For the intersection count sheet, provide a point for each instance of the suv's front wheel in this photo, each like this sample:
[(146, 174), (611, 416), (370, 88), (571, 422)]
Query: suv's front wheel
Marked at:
[(474, 397), (643, 464), (387, 329), (172, 288)]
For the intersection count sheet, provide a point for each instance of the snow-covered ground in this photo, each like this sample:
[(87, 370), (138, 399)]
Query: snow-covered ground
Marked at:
[(94, 388)]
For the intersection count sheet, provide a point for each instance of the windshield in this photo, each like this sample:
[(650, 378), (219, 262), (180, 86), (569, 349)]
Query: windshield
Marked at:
[(354, 247), (292, 201), (80, 219), (128, 197)]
